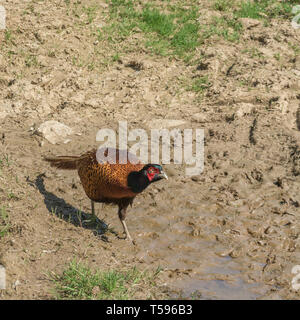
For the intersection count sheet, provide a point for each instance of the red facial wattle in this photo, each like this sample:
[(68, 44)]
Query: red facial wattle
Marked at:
[(151, 173)]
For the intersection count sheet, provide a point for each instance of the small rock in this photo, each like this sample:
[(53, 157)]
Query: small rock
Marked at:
[(249, 23), (54, 131), (94, 103), (199, 117), (103, 5), (244, 109), (2, 277), (235, 253), (78, 98), (197, 178), (5, 109), (195, 232), (237, 203), (16, 283)]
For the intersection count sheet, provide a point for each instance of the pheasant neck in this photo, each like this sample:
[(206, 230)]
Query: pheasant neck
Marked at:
[(137, 181)]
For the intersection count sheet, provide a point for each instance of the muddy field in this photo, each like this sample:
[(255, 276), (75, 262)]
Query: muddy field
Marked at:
[(231, 232)]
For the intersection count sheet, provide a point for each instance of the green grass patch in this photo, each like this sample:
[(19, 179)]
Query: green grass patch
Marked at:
[(223, 5), (265, 9), (4, 222), (151, 20), (90, 13), (199, 84), (228, 28), (228, 25), (168, 28), (31, 61), (78, 281), (186, 39), (4, 161), (8, 35), (173, 32), (253, 52)]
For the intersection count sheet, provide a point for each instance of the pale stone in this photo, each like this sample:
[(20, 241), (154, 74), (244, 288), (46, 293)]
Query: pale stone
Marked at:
[(55, 132), (5, 109)]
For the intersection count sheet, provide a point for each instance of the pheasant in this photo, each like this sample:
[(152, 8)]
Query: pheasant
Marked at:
[(107, 178)]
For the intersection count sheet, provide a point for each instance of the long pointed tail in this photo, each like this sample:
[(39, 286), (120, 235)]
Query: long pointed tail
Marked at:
[(63, 162)]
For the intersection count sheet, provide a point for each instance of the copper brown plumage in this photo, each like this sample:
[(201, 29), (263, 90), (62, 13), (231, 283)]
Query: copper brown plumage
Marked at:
[(105, 178)]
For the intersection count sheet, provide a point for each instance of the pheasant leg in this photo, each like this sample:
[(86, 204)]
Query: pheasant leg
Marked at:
[(128, 236), (93, 207), (122, 214)]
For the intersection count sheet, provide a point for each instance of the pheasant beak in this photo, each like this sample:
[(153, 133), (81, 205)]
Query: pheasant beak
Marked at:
[(163, 175)]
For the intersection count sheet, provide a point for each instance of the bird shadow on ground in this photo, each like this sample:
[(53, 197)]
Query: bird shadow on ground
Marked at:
[(65, 211)]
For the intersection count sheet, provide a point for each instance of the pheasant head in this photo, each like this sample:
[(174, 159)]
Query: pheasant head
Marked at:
[(140, 180)]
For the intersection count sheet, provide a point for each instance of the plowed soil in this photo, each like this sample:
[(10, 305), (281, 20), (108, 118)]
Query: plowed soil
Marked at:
[(231, 232)]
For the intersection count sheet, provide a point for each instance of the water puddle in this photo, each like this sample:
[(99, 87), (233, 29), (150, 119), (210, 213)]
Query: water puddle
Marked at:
[(196, 270), (217, 289)]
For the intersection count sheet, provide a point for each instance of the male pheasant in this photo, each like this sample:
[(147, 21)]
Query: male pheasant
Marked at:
[(107, 178)]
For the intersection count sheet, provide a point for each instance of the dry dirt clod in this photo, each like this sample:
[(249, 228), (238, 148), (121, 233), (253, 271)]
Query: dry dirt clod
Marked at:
[(55, 132)]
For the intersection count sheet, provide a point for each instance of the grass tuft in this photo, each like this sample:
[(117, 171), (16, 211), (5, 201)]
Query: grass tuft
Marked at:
[(199, 84), (4, 222), (78, 281), (154, 21), (265, 9)]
